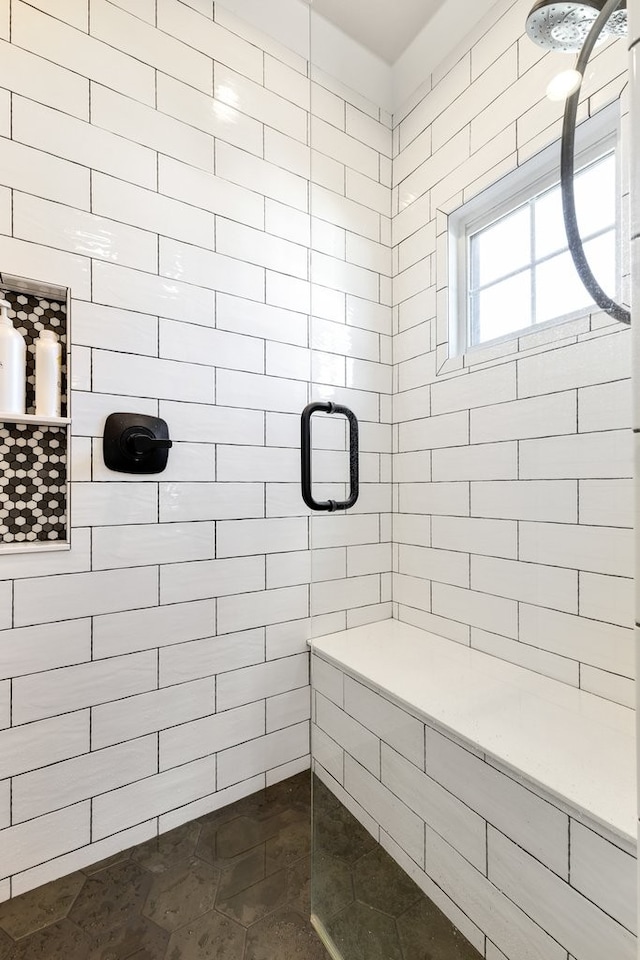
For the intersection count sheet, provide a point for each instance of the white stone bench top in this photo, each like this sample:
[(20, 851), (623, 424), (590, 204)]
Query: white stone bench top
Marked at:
[(574, 746)]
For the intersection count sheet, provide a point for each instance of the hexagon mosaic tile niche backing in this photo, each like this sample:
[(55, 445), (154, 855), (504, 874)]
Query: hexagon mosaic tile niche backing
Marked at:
[(33, 457)]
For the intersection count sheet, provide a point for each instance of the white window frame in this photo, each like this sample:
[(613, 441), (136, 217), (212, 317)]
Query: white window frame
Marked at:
[(595, 137)]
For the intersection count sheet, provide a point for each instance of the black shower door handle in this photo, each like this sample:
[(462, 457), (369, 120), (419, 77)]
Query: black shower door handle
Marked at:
[(354, 457)]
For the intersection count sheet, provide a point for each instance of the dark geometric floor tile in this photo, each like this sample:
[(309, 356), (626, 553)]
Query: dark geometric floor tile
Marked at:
[(336, 833), (62, 941), (140, 938), (112, 898), (299, 881), (381, 883), (284, 935), (426, 934), (182, 894), (332, 887), (246, 870), (362, 933), (257, 901), (291, 843), (108, 862), (160, 853), (221, 844), (212, 937), (41, 907)]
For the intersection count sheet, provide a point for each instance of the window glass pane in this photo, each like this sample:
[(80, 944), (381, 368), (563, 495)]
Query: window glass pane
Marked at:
[(551, 235), (559, 290), (596, 196), (501, 249), (502, 308)]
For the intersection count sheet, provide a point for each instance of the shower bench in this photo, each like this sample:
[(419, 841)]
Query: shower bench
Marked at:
[(508, 797)]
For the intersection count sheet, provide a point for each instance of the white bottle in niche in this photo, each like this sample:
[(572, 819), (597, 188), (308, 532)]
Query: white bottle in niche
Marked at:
[(48, 374), (13, 365)]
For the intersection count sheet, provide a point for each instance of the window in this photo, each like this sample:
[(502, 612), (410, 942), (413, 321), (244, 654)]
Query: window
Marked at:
[(509, 245)]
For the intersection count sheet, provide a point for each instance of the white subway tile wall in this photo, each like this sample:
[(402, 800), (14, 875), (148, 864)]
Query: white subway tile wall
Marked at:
[(158, 162), (513, 462)]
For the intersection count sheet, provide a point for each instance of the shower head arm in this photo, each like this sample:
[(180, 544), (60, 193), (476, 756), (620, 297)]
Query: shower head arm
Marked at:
[(576, 247)]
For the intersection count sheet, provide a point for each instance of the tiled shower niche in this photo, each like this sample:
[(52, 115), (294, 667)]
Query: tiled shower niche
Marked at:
[(34, 487)]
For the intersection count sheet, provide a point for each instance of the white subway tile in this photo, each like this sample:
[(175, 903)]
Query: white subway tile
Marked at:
[(212, 39), (254, 246), (83, 143), (44, 695), (258, 609), (111, 329), (288, 709), (234, 389), (481, 389), (210, 735), (530, 582), (44, 838), (583, 456), (259, 102), (442, 566), (247, 537), (456, 822), (35, 745), (388, 721), (201, 191), (211, 270), (247, 171), (486, 461), (386, 809), (552, 501), (589, 641), (596, 549), (146, 713), (539, 661), (80, 778), (83, 54), (607, 598), (204, 579), (36, 649), (334, 595), (536, 417), (267, 465), (98, 504), (237, 687), (354, 154), (199, 423), (32, 171), (605, 874), (140, 545), (182, 663), (493, 538), (63, 269), (355, 739), (210, 501), (161, 50), (152, 796), (120, 287), (530, 821), (38, 79), (571, 919), (263, 753), (74, 12), (261, 320), (152, 211), (578, 365), (71, 596), (118, 633), (606, 503), (477, 609), (118, 373), (605, 407)]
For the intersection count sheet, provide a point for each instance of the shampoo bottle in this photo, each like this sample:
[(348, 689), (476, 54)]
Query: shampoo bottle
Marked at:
[(48, 374), (13, 365)]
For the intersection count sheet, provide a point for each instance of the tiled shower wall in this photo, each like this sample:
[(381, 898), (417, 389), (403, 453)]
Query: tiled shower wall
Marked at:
[(158, 164), (513, 470)]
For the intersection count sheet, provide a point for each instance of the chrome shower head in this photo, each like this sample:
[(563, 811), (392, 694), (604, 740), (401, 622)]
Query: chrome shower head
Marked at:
[(564, 26)]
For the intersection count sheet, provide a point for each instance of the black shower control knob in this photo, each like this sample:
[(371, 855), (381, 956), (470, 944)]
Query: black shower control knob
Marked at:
[(136, 443)]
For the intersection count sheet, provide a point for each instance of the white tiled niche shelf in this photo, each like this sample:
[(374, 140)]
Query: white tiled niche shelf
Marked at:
[(34, 482)]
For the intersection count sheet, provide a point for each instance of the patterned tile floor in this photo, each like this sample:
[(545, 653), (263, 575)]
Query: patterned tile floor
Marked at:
[(235, 885)]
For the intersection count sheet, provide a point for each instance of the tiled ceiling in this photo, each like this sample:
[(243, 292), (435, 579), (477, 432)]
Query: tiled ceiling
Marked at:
[(386, 27)]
